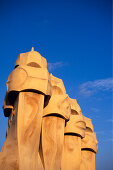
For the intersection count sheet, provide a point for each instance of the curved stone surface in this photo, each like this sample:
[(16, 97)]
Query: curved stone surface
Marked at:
[(76, 125), (57, 85), (29, 78), (54, 116), (89, 147), (58, 105), (90, 140), (46, 129), (74, 131), (32, 58)]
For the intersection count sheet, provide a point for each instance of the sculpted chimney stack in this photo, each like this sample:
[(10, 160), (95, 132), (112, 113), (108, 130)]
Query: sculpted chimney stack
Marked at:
[(89, 147), (74, 132), (46, 129)]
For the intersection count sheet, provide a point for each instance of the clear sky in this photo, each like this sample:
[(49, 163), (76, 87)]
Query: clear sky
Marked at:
[(76, 39)]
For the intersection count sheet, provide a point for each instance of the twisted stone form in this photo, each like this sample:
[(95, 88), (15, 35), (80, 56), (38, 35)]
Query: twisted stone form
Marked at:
[(46, 129)]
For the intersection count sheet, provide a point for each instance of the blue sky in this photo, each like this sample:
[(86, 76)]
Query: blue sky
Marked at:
[(76, 39)]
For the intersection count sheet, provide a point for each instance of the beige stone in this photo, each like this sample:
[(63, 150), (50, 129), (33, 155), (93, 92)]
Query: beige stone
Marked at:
[(89, 124), (30, 110), (58, 105), (32, 58), (55, 114), (29, 126), (90, 140), (75, 108), (46, 129), (30, 73), (23, 134), (29, 78), (57, 85), (52, 142), (74, 131), (89, 147), (76, 125), (24, 127), (71, 157), (7, 107), (87, 160), (9, 152)]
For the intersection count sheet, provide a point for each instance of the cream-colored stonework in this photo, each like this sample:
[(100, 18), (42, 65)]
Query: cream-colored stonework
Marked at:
[(90, 141), (58, 104), (74, 131), (88, 160), (9, 152), (30, 110), (89, 124), (76, 125), (30, 73), (46, 129), (57, 85), (52, 142), (75, 107), (7, 107), (24, 82), (89, 147), (55, 113), (32, 58)]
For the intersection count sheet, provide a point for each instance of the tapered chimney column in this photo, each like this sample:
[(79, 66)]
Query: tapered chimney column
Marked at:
[(27, 86), (89, 147), (55, 114), (74, 132)]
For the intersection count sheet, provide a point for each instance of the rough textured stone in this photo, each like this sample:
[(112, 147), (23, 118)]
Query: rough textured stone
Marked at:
[(74, 131), (55, 113), (46, 129), (89, 147)]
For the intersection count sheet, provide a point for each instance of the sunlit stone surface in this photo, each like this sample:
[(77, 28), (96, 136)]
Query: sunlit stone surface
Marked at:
[(46, 129)]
